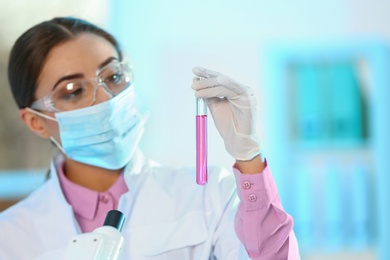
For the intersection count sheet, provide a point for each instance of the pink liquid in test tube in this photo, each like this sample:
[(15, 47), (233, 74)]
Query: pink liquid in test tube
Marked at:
[(201, 142)]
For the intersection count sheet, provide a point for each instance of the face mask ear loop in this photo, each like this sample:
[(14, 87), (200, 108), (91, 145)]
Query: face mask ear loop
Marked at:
[(57, 144), (50, 118)]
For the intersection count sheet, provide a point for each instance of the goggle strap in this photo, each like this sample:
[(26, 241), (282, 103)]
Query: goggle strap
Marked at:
[(41, 114)]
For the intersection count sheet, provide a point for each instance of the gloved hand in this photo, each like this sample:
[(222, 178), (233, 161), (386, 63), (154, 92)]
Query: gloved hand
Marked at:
[(233, 107)]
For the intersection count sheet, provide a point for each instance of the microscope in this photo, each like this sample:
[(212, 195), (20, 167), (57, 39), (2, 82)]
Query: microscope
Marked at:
[(105, 242)]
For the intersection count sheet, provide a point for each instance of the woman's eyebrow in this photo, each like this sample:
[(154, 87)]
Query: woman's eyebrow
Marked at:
[(73, 76), (107, 61), (80, 75)]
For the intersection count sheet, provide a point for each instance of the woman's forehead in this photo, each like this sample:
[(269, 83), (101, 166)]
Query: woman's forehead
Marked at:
[(82, 54)]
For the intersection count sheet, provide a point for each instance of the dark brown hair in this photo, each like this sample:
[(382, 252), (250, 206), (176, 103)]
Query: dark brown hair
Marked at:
[(29, 53)]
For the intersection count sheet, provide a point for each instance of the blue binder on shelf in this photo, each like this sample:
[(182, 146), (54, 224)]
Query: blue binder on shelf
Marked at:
[(334, 205), (345, 102), (361, 209), (310, 102), (304, 219)]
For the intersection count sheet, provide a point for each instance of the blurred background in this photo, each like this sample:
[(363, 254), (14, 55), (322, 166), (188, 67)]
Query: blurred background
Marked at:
[(320, 70)]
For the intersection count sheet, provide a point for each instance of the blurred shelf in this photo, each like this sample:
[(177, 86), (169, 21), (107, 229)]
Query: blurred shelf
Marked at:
[(356, 255), (312, 145), (16, 184), (4, 204)]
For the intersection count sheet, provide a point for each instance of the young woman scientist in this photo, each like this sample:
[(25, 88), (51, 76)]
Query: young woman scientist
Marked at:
[(72, 86)]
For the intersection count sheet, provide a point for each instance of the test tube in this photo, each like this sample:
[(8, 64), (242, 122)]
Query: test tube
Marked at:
[(201, 142)]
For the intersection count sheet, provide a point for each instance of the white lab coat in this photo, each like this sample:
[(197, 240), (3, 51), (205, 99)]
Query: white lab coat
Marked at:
[(168, 216)]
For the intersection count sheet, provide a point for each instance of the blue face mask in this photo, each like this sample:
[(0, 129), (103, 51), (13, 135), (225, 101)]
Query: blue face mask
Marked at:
[(105, 135)]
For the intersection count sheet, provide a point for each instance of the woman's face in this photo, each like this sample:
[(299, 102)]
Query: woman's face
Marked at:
[(79, 58)]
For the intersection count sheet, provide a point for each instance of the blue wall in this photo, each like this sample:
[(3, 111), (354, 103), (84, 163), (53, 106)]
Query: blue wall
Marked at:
[(322, 184)]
